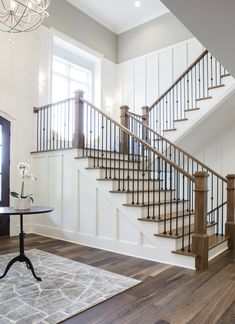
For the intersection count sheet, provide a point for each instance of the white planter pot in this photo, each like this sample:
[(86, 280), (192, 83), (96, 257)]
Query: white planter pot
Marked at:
[(23, 203)]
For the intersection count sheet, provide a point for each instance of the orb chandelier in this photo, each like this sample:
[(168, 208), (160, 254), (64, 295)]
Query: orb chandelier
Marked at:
[(22, 15)]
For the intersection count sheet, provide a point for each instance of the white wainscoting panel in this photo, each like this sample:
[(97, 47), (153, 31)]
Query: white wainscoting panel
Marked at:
[(142, 80), (70, 197), (87, 206), (106, 217), (55, 190)]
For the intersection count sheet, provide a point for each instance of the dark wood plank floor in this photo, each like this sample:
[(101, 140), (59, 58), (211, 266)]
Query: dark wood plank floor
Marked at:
[(168, 294)]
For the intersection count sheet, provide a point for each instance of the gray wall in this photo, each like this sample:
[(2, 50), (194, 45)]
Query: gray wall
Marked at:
[(153, 35), (74, 23), (213, 23)]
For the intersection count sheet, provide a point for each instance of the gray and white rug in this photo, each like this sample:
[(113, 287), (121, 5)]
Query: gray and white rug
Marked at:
[(67, 288)]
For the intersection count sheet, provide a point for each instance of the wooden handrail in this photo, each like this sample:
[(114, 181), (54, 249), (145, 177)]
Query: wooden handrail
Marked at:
[(37, 109), (127, 131), (179, 79), (180, 149), (134, 114), (214, 209)]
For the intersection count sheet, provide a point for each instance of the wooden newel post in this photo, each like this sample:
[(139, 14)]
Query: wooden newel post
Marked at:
[(145, 115), (230, 224), (124, 121), (145, 121), (78, 136), (200, 238)]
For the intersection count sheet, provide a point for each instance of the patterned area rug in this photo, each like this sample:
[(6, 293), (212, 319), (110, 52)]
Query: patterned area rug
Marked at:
[(67, 288)]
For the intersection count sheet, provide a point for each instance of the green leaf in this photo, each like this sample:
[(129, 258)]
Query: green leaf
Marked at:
[(15, 194)]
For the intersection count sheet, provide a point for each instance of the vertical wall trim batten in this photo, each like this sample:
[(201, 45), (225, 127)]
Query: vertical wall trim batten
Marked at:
[(133, 68), (97, 213), (146, 80), (78, 201), (62, 215)]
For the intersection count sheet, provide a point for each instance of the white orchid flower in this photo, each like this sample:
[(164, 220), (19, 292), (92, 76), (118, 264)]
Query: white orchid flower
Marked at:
[(23, 168), (29, 176)]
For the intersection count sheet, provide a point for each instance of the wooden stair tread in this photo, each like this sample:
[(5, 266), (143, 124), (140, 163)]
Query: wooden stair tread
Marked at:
[(125, 179), (179, 120), (103, 151), (180, 231), (168, 217), (140, 191), (185, 252), (214, 240), (191, 109), (217, 86), (204, 98), (225, 75), (117, 168), (169, 130), (154, 203), (108, 158)]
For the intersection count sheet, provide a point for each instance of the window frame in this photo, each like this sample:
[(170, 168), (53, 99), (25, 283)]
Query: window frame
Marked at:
[(69, 79)]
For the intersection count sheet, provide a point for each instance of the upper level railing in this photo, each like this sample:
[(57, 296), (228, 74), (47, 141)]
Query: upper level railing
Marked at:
[(193, 85), (55, 125)]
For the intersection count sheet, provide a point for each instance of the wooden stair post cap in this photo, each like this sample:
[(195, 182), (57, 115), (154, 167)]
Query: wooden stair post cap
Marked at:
[(145, 108), (230, 182), (201, 183), (124, 107), (79, 93), (230, 176), (201, 174)]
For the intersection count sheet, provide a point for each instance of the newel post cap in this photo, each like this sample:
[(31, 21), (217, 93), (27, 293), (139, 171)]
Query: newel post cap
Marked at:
[(79, 93), (230, 176), (124, 107), (201, 174), (145, 108)]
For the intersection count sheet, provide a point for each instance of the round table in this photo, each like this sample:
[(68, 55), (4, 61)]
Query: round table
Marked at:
[(21, 212)]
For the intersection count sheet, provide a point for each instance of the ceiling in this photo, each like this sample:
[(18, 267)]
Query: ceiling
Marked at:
[(120, 15)]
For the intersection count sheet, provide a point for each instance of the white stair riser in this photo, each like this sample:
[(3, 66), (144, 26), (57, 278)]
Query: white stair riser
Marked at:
[(143, 197), (123, 174), (217, 250), (107, 155), (136, 185), (156, 210), (210, 231), (174, 222), (114, 164)]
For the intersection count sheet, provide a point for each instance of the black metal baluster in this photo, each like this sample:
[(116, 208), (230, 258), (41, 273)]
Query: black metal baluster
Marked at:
[(171, 202), (165, 190), (183, 214)]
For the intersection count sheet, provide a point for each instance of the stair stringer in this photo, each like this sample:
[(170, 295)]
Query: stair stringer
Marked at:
[(147, 246), (207, 107)]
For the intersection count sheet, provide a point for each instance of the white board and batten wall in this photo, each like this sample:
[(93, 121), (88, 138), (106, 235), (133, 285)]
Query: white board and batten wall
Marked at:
[(142, 80), (85, 212)]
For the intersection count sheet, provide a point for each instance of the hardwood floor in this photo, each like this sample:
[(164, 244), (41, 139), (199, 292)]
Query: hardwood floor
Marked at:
[(168, 294)]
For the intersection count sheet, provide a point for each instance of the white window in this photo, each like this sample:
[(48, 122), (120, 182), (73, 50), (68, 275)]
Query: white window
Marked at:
[(67, 78)]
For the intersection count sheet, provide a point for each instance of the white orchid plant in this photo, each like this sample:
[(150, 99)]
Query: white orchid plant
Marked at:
[(26, 175)]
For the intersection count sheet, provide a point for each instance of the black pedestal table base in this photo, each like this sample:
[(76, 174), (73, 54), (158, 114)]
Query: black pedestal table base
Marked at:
[(22, 257)]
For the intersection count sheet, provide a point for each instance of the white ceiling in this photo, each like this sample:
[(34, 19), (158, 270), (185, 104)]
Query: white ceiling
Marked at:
[(120, 15)]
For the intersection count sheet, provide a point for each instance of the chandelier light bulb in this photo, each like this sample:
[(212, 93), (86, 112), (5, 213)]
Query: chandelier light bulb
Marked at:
[(22, 15), (13, 5), (137, 4)]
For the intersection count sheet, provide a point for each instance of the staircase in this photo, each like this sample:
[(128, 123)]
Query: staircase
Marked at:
[(196, 93), (170, 193)]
